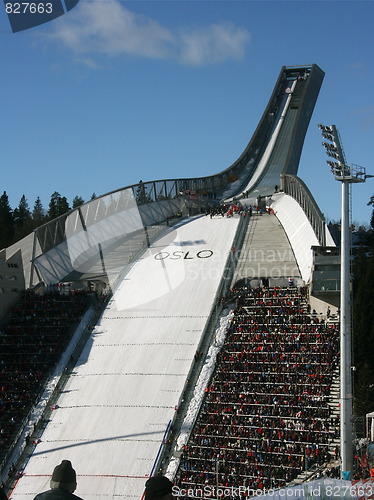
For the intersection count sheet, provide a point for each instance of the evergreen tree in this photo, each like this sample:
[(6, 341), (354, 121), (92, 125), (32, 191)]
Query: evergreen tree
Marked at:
[(58, 205), (6, 222), (53, 205), (364, 390), (22, 219), (77, 201), (141, 195), (371, 202), (63, 205), (38, 215), (363, 332)]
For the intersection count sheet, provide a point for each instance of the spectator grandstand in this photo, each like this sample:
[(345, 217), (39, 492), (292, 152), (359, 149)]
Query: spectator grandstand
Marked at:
[(266, 417), (33, 336)]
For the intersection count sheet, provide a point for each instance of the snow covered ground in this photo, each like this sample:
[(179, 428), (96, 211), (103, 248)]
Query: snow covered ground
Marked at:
[(113, 412)]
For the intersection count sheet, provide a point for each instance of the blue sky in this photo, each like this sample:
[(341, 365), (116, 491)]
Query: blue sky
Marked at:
[(118, 91)]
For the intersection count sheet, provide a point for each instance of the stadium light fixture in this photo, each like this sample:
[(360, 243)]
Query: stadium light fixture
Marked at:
[(347, 175)]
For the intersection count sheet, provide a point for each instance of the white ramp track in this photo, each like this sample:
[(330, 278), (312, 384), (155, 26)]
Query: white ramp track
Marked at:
[(115, 408)]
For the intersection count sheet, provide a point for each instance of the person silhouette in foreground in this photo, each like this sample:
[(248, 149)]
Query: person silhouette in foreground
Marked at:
[(158, 487), (63, 483)]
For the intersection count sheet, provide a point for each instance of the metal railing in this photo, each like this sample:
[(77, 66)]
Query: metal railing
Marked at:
[(295, 187)]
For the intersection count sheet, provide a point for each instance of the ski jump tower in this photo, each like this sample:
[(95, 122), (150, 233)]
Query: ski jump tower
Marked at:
[(97, 244)]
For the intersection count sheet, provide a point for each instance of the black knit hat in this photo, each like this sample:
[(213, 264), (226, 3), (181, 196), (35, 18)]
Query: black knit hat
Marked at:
[(64, 476), (158, 486)]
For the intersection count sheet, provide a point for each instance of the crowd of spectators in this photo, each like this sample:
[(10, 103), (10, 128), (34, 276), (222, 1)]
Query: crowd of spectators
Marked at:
[(32, 338), (228, 210), (266, 414)]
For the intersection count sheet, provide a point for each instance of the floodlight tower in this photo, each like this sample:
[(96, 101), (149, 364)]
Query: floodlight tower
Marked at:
[(347, 175)]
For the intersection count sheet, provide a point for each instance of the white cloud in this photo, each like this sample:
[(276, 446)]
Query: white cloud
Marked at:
[(106, 27), (213, 44)]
